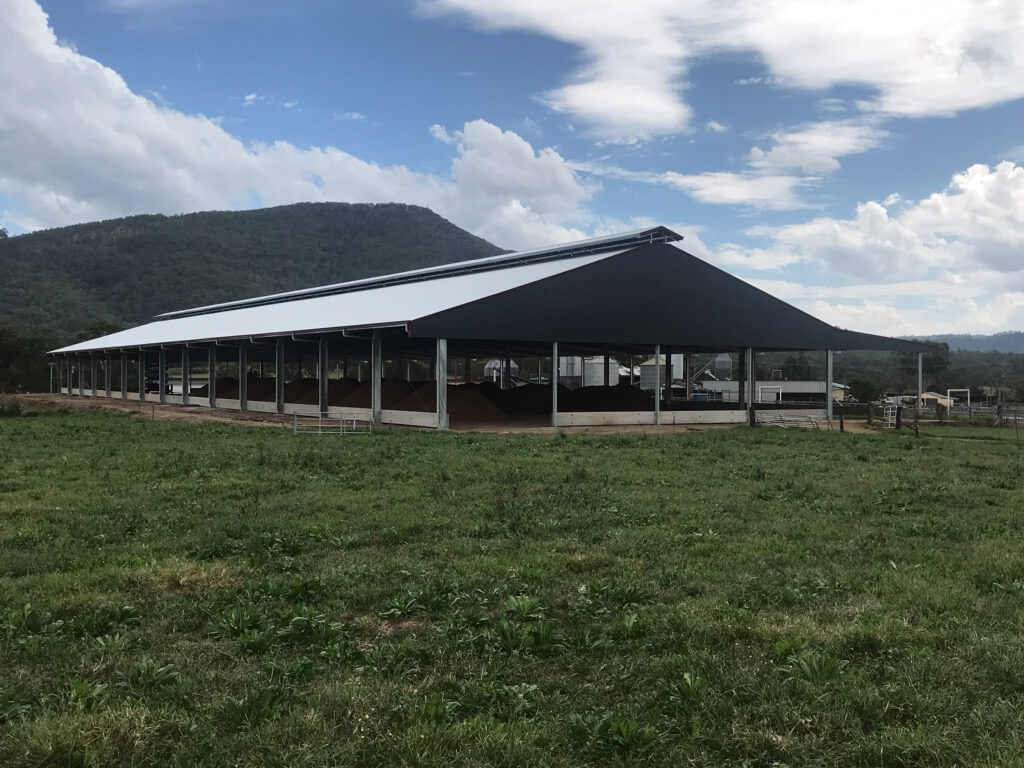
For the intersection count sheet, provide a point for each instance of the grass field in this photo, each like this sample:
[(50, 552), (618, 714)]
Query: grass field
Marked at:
[(214, 595)]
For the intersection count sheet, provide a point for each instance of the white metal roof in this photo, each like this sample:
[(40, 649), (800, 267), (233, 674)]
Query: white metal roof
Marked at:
[(503, 261), (387, 305)]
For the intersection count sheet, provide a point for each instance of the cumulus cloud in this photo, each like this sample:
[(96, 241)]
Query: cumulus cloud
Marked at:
[(715, 127), (80, 145), (917, 57), (350, 117), (956, 253), (977, 222)]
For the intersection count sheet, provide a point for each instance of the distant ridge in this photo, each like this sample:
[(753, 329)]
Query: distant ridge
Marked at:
[(123, 271), (1007, 341)]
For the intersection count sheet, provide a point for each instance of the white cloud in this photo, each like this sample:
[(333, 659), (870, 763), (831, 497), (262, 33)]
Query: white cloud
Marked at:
[(290, 104), (252, 98), (771, 192), (715, 127), (817, 147), (957, 253), (756, 190), (440, 133), (79, 145), (917, 57), (351, 117)]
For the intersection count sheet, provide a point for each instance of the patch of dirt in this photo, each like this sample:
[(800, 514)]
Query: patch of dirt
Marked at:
[(154, 411)]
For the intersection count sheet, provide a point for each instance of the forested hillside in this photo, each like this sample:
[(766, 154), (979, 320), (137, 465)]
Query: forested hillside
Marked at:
[(1008, 341), (123, 271)]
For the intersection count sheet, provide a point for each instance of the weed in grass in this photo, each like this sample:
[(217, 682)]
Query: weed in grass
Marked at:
[(814, 668), (437, 708), (255, 707), (586, 640), (688, 689), (545, 638), (524, 607), (86, 695), (619, 592), (11, 708), (611, 733), (28, 621), (255, 642), (238, 621), (109, 618), (306, 628), (148, 673), (512, 637), (502, 701), (407, 605)]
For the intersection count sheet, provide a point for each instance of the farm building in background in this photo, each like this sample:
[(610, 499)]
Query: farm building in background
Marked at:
[(481, 342)]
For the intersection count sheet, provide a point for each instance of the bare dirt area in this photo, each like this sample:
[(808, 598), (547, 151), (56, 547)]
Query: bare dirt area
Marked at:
[(473, 423), (154, 411)]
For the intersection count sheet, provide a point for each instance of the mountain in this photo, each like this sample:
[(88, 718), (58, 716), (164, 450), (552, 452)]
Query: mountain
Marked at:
[(1008, 341), (124, 271)]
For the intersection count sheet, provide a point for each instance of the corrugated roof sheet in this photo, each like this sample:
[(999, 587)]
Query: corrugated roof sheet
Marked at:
[(591, 245), (388, 305)]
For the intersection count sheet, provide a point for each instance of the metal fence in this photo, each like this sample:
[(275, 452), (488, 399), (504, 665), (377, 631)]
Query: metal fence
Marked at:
[(324, 424)]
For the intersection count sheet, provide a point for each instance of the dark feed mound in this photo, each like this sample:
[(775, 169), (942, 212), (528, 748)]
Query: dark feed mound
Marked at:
[(392, 391), (302, 392), (466, 405), (337, 389)]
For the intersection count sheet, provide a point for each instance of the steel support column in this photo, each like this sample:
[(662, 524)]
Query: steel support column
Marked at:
[(279, 375), (441, 373), (186, 375), (607, 378), (211, 375), (376, 374), (321, 374), (243, 376), (106, 373), (142, 374), (920, 381), (657, 383), (828, 383), (124, 375), (162, 374), (92, 375), (751, 383), (81, 378), (554, 384), (686, 374)]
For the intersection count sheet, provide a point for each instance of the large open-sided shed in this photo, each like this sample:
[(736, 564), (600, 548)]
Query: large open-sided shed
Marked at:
[(636, 294)]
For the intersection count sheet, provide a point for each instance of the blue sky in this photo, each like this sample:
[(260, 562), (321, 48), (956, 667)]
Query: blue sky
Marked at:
[(868, 172)]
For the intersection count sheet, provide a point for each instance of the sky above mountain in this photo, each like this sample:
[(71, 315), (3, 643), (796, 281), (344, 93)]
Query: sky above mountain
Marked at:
[(863, 160)]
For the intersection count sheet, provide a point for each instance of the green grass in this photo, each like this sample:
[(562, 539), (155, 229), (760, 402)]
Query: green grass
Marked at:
[(208, 595), (971, 432)]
